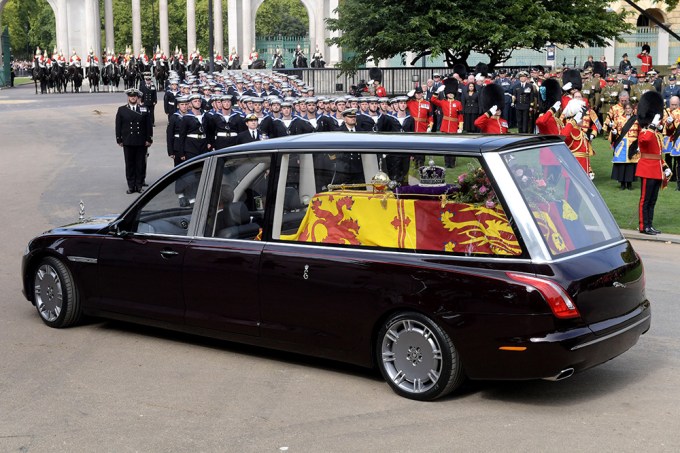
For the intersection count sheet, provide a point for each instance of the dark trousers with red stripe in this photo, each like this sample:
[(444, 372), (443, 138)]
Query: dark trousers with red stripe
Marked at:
[(649, 192)]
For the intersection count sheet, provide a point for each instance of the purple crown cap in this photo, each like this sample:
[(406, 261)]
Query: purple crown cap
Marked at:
[(432, 175)]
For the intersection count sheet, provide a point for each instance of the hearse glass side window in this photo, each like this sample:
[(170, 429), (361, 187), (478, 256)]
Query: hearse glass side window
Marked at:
[(170, 210), (566, 206), (390, 201), (239, 198)]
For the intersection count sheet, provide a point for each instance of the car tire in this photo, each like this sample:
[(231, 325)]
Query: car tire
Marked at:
[(417, 358), (55, 294)]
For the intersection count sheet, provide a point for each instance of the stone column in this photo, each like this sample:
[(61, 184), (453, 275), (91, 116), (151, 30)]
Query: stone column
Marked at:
[(62, 28), (108, 24), (137, 28), (218, 27), (191, 27), (335, 53), (92, 28), (248, 34), (163, 21), (662, 48), (234, 41)]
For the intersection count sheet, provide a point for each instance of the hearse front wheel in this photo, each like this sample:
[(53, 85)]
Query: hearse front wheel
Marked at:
[(55, 294), (417, 358)]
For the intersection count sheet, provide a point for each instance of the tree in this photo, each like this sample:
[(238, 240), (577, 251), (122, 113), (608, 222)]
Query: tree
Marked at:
[(282, 17), (382, 29), (31, 24)]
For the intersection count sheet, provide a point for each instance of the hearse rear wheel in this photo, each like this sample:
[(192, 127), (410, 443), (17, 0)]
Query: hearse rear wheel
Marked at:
[(417, 358)]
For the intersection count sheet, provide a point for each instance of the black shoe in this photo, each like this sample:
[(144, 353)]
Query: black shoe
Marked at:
[(129, 191), (648, 231), (145, 184), (623, 187), (138, 189), (655, 230)]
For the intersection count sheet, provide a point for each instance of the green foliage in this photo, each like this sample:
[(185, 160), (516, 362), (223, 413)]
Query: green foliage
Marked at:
[(382, 29), (31, 24), (282, 17)]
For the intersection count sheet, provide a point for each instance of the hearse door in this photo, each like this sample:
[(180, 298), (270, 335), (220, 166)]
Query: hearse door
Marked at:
[(221, 269), (140, 263)]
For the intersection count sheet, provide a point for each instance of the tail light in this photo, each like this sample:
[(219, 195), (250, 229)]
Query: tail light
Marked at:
[(555, 296)]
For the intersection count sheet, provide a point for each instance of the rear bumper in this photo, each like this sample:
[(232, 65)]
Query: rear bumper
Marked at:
[(546, 356)]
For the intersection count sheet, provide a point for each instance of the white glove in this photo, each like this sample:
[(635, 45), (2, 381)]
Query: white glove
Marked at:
[(566, 86), (411, 93), (578, 117), (591, 175), (655, 121), (667, 172), (493, 110), (669, 120), (614, 132), (429, 129), (460, 130), (441, 88), (556, 106)]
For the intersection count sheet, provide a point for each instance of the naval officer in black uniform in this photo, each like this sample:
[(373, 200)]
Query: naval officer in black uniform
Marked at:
[(134, 133)]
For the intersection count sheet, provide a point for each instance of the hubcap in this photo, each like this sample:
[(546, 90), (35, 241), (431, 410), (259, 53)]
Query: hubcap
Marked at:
[(48, 292), (412, 356)]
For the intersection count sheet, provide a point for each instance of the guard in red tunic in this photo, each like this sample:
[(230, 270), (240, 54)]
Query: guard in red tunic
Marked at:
[(549, 123), (452, 110), (650, 167), (646, 59), (420, 110), (573, 134), (492, 100)]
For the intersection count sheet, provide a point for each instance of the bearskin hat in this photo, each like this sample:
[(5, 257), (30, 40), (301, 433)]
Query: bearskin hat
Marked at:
[(599, 68), (651, 103), (375, 74), (646, 47), (482, 68), (553, 92), (460, 69), (491, 95), (573, 76), (450, 86)]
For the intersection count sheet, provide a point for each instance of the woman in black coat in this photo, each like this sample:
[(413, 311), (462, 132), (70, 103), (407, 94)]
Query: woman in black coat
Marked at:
[(471, 111)]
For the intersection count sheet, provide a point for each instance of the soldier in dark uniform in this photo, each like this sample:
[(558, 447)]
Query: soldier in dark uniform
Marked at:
[(224, 125), (134, 133), (169, 103), (508, 87), (149, 96), (192, 138), (524, 96), (173, 130)]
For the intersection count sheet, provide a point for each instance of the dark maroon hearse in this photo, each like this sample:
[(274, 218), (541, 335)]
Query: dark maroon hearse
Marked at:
[(366, 249)]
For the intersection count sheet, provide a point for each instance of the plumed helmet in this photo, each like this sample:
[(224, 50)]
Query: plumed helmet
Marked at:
[(599, 68), (460, 69), (450, 86), (573, 76), (482, 68), (651, 103), (553, 92), (573, 107), (38, 51), (646, 47), (491, 95)]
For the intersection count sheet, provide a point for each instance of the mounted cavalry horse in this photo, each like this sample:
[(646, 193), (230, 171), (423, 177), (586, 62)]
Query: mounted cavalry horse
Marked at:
[(39, 76), (278, 61), (300, 60), (196, 66), (74, 74), (130, 73), (92, 73), (160, 72), (111, 76), (178, 66)]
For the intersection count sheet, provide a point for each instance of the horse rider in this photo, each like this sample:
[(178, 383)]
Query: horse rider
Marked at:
[(39, 57), (233, 56), (253, 56), (75, 59), (92, 59), (143, 57)]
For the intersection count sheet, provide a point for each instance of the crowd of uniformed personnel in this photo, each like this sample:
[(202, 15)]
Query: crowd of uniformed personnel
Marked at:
[(214, 111)]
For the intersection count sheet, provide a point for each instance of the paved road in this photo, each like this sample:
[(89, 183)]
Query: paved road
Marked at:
[(110, 386)]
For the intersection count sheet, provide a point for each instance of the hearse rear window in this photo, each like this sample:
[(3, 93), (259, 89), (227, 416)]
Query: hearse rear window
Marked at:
[(566, 206), (431, 203)]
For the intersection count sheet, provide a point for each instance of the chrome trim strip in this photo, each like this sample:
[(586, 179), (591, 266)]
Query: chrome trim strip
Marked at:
[(611, 335), (82, 259)]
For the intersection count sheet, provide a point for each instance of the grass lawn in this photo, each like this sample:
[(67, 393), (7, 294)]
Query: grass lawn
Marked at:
[(624, 203), (22, 81)]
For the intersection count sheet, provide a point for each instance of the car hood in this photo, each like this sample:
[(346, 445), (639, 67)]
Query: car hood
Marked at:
[(90, 225)]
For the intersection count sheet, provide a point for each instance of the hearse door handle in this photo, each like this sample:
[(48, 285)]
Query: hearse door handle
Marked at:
[(168, 253)]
